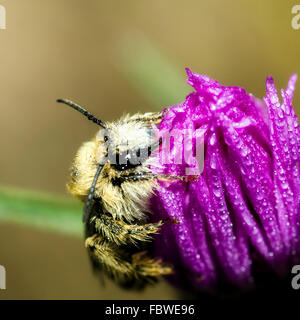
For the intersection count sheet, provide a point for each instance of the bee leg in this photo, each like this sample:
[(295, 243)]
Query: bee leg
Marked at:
[(122, 267), (163, 177), (150, 117), (149, 267), (144, 232), (120, 232), (167, 177), (109, 256)]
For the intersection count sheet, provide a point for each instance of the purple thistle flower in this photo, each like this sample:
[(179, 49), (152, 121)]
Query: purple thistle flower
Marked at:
[(243, 212)]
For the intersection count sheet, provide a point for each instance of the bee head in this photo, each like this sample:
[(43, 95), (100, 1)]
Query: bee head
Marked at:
[(125, 145)]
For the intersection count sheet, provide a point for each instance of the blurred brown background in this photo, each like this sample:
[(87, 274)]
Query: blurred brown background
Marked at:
[(71, 48)]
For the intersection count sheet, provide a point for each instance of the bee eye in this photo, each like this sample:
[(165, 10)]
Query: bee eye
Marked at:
[(105, 138)]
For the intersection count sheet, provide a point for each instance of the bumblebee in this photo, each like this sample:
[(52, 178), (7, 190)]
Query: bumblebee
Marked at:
[(116, 192)]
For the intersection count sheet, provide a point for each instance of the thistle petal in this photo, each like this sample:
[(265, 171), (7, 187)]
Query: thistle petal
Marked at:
[(244, 208)]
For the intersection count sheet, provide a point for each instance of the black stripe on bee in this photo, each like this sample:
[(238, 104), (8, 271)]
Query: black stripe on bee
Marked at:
[(133, 177)]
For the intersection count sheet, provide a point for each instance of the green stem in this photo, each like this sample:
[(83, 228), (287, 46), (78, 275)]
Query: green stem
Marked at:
[(43, 211)]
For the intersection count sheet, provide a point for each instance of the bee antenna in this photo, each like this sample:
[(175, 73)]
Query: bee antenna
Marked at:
[(82, 111), (90, 196)]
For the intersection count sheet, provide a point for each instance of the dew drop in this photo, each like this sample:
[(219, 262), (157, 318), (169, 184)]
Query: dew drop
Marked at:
[(213, 162), (217, 192)]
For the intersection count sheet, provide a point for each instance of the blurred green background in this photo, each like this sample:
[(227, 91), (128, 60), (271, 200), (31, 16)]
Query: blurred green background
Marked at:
[(113, 57)]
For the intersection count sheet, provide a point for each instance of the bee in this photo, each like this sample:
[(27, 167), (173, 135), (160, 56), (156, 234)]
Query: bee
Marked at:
[(116, 192)]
